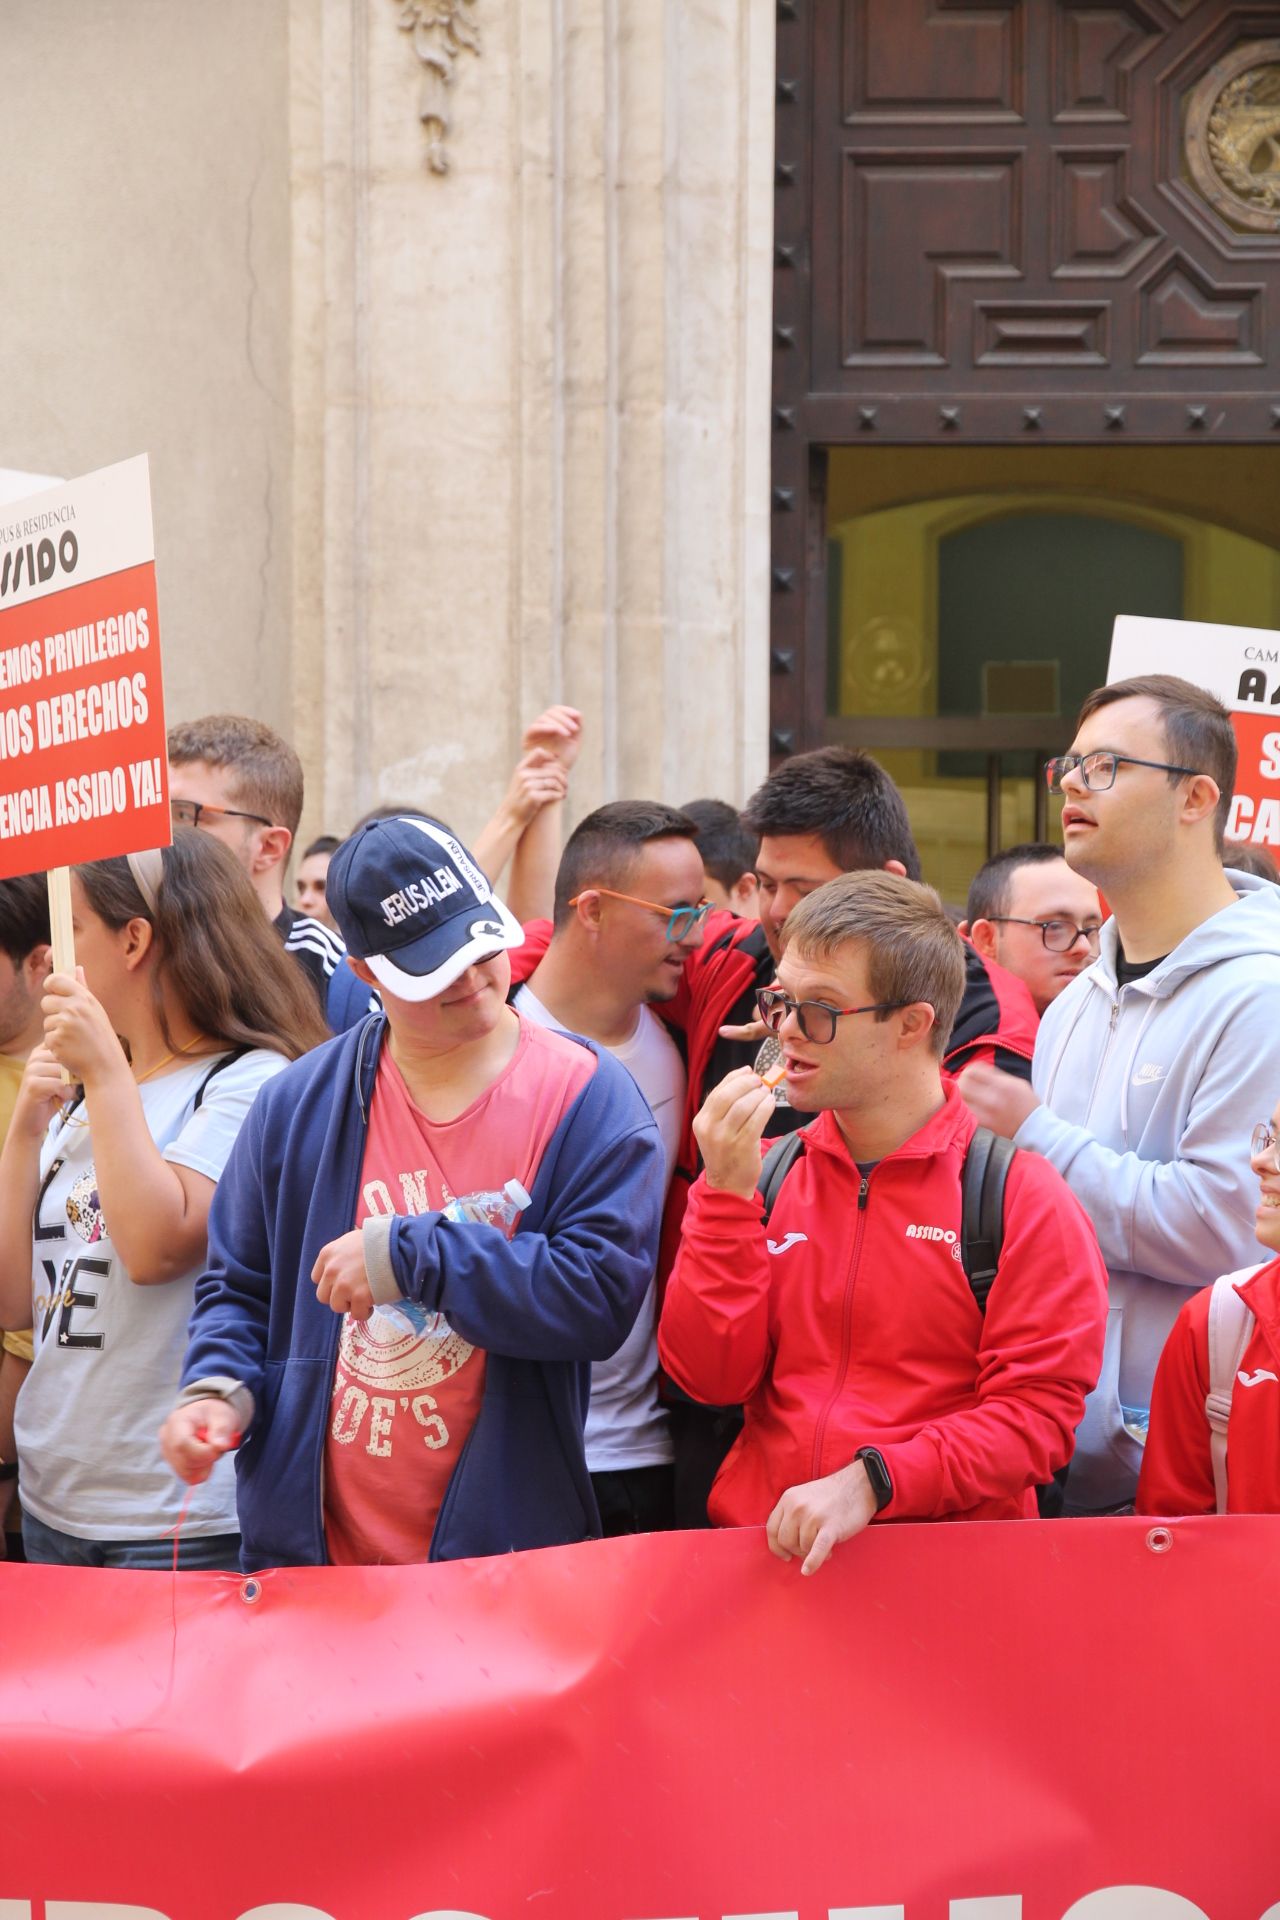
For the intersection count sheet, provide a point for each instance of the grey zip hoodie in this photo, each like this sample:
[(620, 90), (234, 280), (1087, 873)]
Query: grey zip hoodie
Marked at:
[(1149, 1093)]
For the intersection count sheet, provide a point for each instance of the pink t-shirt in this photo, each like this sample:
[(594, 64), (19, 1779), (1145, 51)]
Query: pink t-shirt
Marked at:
[(404, 1400)]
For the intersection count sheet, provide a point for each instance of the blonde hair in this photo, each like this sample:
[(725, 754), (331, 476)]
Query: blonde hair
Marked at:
[(913, 952)]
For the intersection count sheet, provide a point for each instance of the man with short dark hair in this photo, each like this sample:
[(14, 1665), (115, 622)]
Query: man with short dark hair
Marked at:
[(1030, 913), (1152, 1068), (933, 1409), (238, 779), (25, 958), (628, 913), (728, 849), (835, 811), (817, 815)]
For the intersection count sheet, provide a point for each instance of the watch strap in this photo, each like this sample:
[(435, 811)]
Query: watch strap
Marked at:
[(877, 1474)]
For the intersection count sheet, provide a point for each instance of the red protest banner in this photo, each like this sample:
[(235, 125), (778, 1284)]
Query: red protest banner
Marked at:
[(83, 768), (1031, 1721), (1241, 665)]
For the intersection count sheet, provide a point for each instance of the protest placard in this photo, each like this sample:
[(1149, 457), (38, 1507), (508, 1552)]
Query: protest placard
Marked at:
[(83, 771), (1241, 665)]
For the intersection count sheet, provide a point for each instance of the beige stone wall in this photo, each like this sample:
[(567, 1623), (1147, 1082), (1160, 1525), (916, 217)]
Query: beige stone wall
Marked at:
[(429, 450), (541, 388), (145, 234)]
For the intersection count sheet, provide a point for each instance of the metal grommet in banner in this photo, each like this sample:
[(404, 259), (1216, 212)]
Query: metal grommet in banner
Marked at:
[(250, 1592), (1159, 1540)]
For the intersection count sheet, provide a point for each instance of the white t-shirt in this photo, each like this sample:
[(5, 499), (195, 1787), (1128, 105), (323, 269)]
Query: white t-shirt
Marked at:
[(626, 1423), (108, 1354)]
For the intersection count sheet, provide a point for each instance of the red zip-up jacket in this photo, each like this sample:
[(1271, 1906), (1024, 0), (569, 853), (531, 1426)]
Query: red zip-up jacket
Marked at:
[(850, 1323), (1177, 1467)]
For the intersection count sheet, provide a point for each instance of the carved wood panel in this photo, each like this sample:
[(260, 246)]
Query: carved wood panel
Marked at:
[(1002, 220)]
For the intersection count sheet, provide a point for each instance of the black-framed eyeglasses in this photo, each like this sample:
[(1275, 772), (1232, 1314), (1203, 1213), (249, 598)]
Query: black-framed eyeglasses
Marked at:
[(1263, 1146), (1098, 770), (189, 813), (815, 1019), (1059, 936)]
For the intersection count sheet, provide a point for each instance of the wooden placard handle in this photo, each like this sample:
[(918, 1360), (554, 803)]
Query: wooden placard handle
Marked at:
[(64, 940)]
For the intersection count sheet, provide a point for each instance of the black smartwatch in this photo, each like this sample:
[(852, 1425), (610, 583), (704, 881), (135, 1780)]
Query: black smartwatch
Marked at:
[(877, 1474)]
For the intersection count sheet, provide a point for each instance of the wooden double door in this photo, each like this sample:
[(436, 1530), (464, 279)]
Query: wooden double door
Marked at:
[(1022, 223)]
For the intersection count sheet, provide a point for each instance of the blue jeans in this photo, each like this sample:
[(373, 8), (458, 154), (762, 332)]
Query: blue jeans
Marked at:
[(210, 1552)]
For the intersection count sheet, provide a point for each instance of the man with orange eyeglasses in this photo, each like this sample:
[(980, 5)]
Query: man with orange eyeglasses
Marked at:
[(628, 913)]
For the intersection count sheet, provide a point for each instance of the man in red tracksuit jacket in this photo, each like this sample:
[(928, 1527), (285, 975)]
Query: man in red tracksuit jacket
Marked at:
[(872, 1382)]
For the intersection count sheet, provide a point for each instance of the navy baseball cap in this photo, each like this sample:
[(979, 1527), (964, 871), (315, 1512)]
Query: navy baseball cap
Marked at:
[(411, 902)]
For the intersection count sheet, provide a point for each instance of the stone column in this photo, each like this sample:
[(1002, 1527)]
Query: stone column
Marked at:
[(531, 395)]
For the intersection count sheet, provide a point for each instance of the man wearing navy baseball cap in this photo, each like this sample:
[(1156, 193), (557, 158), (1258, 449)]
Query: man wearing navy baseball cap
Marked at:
[(428, 1230)]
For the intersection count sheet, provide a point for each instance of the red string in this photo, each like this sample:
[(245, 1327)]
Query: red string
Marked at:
[(177, 1531), (173, 1594)]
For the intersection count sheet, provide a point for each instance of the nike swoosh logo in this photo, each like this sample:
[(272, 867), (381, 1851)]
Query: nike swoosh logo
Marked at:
[(792, 1240), (1256, 1379)]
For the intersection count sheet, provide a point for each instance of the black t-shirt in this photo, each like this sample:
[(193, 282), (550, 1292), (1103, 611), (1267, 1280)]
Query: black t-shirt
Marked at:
[(1127, 970)]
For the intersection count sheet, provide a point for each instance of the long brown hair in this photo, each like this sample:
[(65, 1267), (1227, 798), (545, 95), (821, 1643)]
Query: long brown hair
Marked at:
[(215, 948)]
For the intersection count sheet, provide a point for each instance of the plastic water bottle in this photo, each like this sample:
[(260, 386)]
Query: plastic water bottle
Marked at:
[(1136, 1421), (500, 1210)]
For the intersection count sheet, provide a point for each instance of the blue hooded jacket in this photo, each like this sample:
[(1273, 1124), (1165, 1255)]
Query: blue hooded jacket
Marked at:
[(563, 1291)]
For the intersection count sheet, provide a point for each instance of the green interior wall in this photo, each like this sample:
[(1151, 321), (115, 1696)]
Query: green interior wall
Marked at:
[(888, 510)]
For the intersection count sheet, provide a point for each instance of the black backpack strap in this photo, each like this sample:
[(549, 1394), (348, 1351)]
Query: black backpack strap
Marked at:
[(775, 1167), (219, 1066), (982, 1184)]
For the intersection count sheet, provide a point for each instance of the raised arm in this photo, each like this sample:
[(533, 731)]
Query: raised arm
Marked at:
[(531, 892), (157, 1214), (538, 783)]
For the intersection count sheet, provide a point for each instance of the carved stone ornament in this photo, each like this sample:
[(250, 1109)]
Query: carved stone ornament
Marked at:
[(441, 30), (1233, 136)]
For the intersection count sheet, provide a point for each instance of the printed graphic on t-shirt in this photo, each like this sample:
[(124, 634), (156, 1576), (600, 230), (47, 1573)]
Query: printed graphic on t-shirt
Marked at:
[(84, 1208), (66, 1278), (406, 1392)]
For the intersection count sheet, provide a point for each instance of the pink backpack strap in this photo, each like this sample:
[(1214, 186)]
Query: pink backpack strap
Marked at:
[(1230, 1330)]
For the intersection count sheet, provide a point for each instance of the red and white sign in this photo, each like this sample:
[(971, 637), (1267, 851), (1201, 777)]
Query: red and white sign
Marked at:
[(1033, 1720), (1241, 665), (83, 769)]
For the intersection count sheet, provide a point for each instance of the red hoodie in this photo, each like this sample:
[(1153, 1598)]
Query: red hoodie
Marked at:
[(852, 1324), (1177, 1467)]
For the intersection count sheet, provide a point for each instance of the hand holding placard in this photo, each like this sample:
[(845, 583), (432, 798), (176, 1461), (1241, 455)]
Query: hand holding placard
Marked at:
[(1238, 665), (83, 767)]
